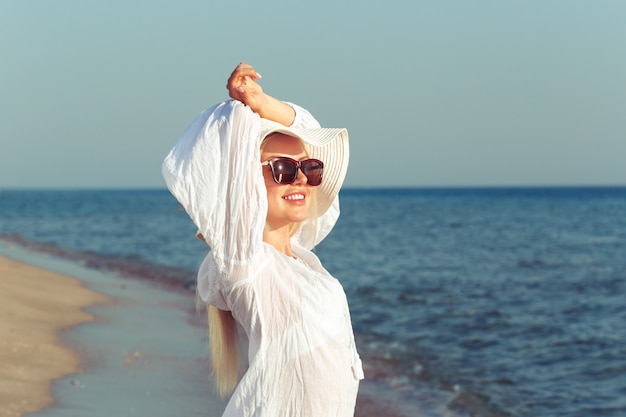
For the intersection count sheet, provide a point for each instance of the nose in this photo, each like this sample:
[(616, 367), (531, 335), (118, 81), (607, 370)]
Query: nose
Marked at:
[(301, 178)]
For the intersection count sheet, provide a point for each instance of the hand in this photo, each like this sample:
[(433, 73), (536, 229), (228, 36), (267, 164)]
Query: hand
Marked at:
[(242, 85)]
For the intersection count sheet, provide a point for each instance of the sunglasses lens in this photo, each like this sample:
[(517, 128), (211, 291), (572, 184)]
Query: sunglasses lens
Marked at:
[(285, 170), (313, 169)]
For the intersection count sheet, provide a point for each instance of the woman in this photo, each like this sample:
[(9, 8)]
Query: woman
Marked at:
[(262, 196)]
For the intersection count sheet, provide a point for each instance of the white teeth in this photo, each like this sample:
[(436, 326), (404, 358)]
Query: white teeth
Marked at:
[(294, 197)]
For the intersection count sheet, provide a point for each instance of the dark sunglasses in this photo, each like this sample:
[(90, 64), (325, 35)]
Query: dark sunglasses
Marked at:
[(285, 170)]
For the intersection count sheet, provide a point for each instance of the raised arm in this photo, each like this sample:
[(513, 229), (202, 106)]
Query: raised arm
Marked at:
[(243, 86)]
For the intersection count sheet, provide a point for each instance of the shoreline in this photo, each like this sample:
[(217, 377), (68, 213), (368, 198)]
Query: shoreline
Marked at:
[(37, 306), (145, 351)]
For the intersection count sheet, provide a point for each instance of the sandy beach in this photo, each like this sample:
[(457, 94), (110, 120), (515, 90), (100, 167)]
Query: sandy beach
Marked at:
[(35, 306), (144, 351), (100, 345)]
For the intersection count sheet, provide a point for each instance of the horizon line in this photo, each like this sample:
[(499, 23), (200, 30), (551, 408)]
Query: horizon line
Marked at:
[(344, 188)]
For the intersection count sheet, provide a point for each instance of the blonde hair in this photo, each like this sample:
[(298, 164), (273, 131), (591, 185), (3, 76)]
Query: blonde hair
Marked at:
[(224, 345), (222, 327)]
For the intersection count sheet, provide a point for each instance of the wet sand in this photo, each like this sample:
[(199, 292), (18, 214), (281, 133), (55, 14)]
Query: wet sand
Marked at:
[(35, 306), (143, 353)]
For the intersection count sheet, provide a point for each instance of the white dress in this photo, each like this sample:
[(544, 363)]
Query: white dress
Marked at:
[(302, 357)]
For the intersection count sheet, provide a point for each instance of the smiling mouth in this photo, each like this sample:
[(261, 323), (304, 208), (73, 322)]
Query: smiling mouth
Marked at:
[(294, 197)]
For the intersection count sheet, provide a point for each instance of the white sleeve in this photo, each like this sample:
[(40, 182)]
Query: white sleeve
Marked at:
[(214, 171), (304, 119)]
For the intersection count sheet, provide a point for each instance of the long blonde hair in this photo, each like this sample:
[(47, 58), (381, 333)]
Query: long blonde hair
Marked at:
[(224, 345), (222, 329)]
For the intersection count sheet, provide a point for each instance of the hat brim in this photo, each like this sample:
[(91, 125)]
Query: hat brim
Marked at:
[(329, 145)]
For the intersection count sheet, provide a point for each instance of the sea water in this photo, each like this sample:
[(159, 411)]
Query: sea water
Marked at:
[(507, 301)]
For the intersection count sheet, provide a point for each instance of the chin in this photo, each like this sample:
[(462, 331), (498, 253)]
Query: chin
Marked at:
[(298, 219)]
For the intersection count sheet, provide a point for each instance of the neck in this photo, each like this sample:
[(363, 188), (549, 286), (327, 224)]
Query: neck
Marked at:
[(279, 239)]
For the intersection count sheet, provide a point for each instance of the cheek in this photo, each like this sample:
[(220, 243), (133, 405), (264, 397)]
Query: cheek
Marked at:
[(270, 185), (273, 192), (269, 179)]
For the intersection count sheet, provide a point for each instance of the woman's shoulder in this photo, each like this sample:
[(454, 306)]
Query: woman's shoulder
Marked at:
[(309, 258)]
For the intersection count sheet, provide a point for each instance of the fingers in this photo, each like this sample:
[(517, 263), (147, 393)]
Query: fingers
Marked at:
[(247, 70), (240, 77), (242, 85)]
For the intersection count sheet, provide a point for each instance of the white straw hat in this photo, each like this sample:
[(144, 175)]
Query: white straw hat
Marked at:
[(329, 145)]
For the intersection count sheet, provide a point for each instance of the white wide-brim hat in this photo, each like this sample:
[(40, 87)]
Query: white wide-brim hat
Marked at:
[(329, 145)]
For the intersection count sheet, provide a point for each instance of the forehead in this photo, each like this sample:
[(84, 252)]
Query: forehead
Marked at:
[(280, 144)]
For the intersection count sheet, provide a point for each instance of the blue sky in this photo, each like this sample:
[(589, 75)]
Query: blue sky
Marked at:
[(434, 93)]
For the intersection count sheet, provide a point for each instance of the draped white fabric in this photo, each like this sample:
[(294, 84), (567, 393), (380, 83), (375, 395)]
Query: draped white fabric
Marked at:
[(301, 351)]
